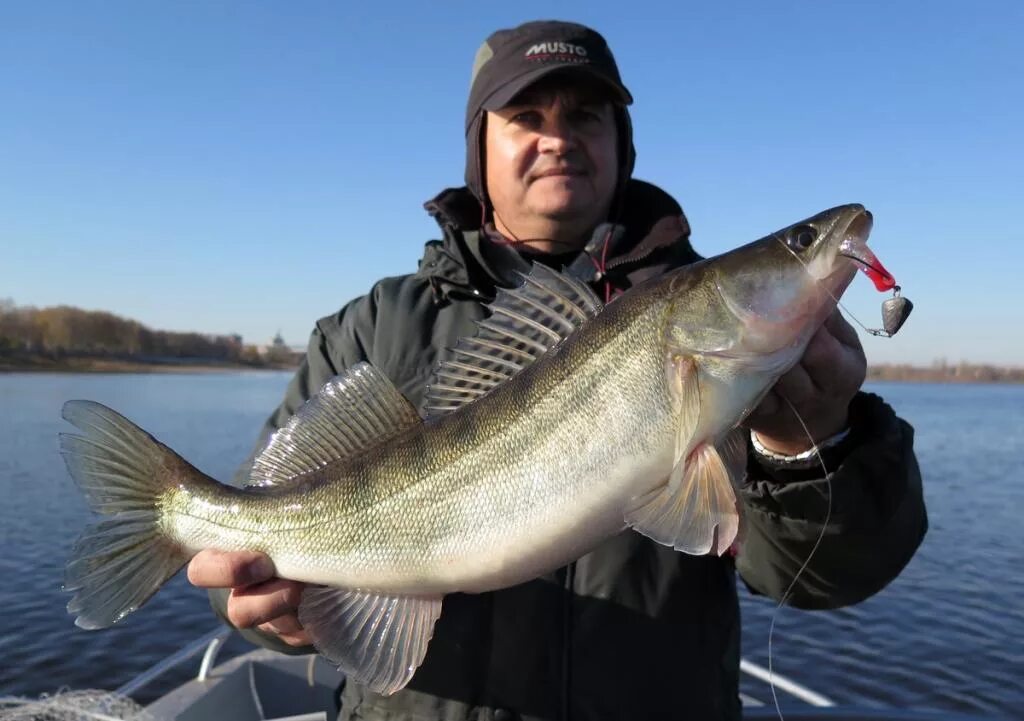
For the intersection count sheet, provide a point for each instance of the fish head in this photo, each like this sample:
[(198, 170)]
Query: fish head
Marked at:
[(770, 296)]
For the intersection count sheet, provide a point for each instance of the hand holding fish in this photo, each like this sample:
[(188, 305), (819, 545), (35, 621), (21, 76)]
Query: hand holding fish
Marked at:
[(820, 387), (258, 598)]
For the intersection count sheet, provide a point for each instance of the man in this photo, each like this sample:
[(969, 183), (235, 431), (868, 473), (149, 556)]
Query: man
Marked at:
[(632, 630)]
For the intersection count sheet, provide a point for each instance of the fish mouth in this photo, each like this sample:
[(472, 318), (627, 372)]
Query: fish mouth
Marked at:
[(855, 247), (859, 227)]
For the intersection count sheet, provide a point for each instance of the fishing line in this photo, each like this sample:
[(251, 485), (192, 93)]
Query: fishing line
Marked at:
[(814, 548), (869, 264), (895, 310)]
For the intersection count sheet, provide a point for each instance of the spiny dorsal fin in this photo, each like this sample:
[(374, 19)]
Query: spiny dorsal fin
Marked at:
[(524, 324), (352, 412)]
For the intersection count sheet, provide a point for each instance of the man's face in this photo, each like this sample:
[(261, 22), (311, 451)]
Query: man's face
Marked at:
[(551, 160)]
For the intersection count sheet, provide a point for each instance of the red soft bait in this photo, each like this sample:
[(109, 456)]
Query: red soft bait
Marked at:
[(895, 310), (882, 278)]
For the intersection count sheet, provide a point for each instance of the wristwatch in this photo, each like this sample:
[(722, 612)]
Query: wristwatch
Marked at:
[(806, 459)]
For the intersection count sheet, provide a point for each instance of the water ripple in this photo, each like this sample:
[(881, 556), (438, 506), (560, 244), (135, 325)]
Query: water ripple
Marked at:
[(946, 635)]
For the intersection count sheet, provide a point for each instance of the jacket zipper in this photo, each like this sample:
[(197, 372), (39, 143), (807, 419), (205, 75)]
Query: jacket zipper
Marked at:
[(570, 576)]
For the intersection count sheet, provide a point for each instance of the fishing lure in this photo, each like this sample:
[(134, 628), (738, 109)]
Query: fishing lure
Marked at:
[(895, 310)]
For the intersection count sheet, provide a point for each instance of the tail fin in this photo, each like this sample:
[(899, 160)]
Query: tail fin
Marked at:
[(118, 563)]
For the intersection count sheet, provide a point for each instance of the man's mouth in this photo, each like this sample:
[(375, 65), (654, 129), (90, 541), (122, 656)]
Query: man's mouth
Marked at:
[(559, 173)]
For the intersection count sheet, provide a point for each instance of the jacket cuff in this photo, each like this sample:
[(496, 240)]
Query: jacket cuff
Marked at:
[(867, 514), (863, 429), (869, 473)]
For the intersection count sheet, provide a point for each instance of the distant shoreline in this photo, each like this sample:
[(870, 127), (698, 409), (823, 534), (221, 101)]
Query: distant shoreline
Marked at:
[(944, 381), (40, 364), (945, 373), (65, 339), (963, 373)]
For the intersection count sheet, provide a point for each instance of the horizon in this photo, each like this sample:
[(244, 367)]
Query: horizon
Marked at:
[(239, 168), (937, 362)]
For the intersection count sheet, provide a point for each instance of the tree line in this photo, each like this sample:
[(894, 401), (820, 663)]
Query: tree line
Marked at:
[(68, 331), (941, 371)]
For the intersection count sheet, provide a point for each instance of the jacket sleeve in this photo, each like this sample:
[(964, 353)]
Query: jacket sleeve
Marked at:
[(876, 523), (336, 343)]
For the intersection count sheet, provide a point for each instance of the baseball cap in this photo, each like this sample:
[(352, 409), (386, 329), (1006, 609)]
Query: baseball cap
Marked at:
[(510, 60)]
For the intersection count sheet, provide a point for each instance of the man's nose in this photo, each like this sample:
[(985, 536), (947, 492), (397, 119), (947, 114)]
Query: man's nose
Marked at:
[(557, 134)]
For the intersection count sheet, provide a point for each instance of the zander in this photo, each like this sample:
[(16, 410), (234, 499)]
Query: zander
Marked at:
[(559, 424)]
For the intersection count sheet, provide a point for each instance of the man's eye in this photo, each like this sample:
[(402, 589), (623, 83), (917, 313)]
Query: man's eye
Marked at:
[(528, 118), (586, 115)]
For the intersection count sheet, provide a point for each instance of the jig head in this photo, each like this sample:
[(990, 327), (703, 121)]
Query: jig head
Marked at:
[(895, 312)]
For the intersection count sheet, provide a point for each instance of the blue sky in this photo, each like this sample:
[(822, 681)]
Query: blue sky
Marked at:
[(250, 166)]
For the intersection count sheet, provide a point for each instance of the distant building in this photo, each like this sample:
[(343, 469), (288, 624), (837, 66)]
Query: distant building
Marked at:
[(279, 353)]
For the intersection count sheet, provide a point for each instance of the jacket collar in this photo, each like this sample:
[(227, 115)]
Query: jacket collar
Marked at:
[(465, 261)]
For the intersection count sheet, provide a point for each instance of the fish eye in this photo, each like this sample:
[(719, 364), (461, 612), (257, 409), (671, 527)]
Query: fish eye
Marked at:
[(801, 237)]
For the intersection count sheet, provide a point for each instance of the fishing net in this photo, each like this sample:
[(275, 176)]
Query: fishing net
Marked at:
[(90, 705)]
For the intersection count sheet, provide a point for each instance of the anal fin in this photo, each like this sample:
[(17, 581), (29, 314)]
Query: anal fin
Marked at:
[(696, 511), (377, 640)]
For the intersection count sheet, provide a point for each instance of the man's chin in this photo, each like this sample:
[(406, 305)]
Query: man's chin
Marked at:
[(565, 214), (565, 205)]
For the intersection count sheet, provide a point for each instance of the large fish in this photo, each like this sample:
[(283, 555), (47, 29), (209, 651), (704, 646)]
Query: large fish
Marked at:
[(558, 425)]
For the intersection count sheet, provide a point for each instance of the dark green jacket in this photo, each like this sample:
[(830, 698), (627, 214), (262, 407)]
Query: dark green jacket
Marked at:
[(633, 630)]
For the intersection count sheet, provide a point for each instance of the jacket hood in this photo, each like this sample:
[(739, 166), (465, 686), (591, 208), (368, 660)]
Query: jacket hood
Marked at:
[(652, 235)]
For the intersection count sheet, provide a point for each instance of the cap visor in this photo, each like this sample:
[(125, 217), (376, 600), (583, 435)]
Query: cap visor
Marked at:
[(503, 96)]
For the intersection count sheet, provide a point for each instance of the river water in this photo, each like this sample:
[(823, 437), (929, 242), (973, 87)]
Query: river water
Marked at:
[(948, 634)]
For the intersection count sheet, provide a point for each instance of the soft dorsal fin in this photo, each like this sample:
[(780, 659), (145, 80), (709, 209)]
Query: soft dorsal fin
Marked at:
[(352, 412), (524, 323)]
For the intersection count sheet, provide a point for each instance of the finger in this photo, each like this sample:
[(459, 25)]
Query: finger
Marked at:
[(795, 385), (825, 360), (851, 361), (282, 625), (302, 638), (288, 629), (221, 569), (843, 332), (768, 406), (258, 604)]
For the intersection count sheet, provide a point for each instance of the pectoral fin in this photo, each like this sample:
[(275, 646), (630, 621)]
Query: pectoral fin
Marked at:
[(684, 386), (376, 640), (696, 510), (697, 515)]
